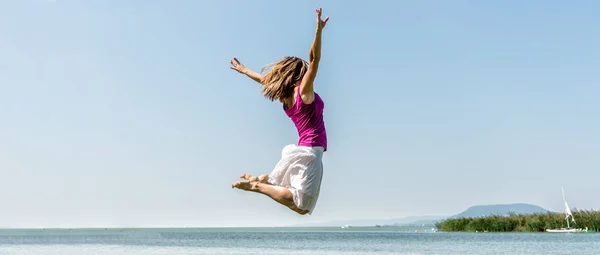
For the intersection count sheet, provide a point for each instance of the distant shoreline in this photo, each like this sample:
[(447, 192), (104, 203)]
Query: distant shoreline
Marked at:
[(538, 222), (276, 228)]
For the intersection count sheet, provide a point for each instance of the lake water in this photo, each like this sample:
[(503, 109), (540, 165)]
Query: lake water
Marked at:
[(385, 240)]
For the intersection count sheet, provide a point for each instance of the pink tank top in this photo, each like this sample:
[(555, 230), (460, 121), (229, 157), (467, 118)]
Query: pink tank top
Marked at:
[(308, 119)]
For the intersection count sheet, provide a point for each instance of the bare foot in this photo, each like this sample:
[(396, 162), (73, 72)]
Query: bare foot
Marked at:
[(249, 177), (263, 178), (244, 185)]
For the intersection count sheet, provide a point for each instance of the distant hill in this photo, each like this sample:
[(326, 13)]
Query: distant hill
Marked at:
[(500, 209)]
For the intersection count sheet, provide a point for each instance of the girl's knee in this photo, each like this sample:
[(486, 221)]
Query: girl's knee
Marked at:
[(298, 210)]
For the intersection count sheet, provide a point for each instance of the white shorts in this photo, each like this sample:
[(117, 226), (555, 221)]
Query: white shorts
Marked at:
[(300, 170)]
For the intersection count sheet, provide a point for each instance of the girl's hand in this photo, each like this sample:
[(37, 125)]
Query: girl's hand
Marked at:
[(321, 23), (236, 65)]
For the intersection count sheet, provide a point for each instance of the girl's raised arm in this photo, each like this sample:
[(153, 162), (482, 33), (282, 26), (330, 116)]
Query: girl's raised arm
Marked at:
[(314, 57)]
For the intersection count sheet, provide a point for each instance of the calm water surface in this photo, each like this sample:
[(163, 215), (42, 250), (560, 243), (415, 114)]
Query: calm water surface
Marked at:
[(290, 241)]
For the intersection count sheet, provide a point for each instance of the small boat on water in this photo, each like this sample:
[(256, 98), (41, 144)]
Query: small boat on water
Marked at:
[(570, 230), (568, 214)]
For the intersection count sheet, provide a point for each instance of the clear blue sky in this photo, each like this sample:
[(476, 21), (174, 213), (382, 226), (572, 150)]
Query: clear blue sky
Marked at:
[(125, 113)]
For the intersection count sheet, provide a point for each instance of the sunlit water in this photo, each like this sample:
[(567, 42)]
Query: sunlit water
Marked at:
[(290, 241)]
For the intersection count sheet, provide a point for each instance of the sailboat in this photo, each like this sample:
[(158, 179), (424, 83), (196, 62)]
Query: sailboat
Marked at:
[(568, 214)]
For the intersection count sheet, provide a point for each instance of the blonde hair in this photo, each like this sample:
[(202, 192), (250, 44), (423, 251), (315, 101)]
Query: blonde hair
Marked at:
[(279, 78)]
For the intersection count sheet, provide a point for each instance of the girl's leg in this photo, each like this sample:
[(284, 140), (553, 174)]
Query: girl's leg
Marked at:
[(277, 193)]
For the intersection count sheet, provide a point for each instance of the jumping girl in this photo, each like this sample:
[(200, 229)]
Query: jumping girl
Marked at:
[(296, 179)]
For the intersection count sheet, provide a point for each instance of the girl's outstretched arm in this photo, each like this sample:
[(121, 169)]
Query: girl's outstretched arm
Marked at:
[(236, 65), (253, 75), (314, 57)]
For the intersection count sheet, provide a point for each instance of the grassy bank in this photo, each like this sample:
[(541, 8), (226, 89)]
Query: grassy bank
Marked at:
[(521, 223)]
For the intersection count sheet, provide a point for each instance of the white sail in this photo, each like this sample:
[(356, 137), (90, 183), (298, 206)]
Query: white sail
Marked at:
[(567, 209)]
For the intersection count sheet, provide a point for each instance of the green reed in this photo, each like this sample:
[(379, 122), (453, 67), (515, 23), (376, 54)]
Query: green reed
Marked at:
[(522, 222)]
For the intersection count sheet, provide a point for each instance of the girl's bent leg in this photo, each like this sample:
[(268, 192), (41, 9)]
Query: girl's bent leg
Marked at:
[(277, 193)]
